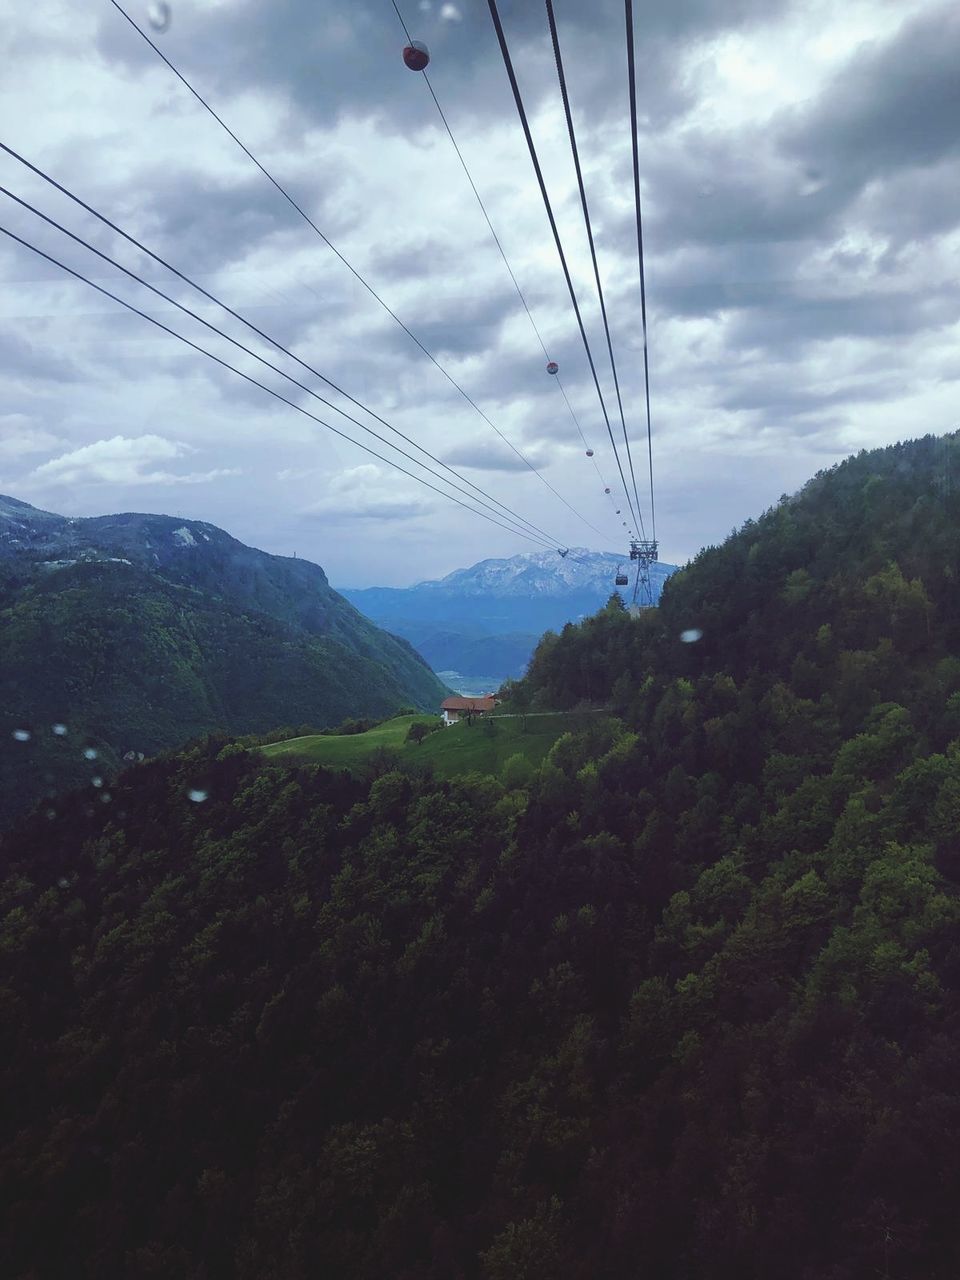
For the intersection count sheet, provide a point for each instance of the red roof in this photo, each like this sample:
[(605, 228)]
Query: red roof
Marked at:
[(469, 704)]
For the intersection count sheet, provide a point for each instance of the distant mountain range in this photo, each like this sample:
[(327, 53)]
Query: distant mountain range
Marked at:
[(132, 633), (485, 621)]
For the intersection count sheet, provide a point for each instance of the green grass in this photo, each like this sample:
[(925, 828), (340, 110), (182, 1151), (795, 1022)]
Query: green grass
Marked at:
[(341, 751), (462, 748)]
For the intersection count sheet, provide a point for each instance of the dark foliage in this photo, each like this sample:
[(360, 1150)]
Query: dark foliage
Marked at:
[(683, 1004), (135, 641)]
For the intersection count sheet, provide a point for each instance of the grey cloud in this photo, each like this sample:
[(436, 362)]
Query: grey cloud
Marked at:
[(818, 318), (494, 456), (894, 105), (203, 225), (400, 508), (31, 364), (333, 61)]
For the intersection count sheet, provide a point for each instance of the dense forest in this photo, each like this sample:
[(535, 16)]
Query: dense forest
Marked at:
[(683, 1001), (135, 633)]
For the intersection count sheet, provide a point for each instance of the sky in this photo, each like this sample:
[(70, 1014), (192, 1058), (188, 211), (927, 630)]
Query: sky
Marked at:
[(799, 178)]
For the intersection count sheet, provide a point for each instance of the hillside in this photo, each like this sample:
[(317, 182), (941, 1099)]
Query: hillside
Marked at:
[(486, 620), (134, 633), (483, 747), (682, 1001)]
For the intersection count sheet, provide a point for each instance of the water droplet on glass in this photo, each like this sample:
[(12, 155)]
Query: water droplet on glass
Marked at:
[(159, 15), (22, 735), (97, 782), (51, 814), (196, 795), (106, 798), (60, 730), (707, 189), (691, 636), (90, 753), (63, 882)]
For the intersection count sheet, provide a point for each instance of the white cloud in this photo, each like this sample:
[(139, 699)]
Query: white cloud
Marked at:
[(368, 492), (19, 437), (122, 460)]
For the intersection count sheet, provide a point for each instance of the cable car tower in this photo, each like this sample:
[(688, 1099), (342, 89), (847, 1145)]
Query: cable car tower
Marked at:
[(644, 551)]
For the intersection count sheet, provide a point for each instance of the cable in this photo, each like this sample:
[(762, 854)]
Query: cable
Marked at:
[(274, 368), (508, 64), (156, 257), (263, 387), (329, 243), (496, 238), (593, 250), (632, 76)]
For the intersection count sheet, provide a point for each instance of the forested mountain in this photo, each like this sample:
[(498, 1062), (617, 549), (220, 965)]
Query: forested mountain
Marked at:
[(135, 633), (682, 1002), (486, 620)]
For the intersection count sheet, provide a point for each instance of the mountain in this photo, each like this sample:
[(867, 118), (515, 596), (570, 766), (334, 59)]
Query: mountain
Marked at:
[(134, 633), (681, 1000), (452, 622)]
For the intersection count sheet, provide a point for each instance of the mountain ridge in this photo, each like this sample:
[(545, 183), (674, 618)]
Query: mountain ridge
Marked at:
[(137, 631), (526, 594)]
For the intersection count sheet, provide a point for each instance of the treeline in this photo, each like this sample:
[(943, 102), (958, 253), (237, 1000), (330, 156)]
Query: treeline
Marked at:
[(684, 1002)]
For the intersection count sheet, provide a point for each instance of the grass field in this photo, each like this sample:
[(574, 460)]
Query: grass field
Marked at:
[(462, 748)]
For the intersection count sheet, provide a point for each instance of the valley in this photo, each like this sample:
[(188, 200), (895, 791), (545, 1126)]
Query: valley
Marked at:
[(672, 986), (481, 624)]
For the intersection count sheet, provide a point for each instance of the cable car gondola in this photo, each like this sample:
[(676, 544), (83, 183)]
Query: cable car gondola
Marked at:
[(621, 578), (589, 453), (416, 55), (553, 367)]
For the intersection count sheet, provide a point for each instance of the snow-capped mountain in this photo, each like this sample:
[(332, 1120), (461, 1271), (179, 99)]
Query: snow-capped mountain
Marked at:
[(486, 620), (542, 573)]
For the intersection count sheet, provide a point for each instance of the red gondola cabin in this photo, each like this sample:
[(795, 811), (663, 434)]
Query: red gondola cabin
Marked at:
[(416, 55)]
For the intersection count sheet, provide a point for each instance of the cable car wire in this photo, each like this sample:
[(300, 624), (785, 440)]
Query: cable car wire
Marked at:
[(329, 243), (274, 368), (632, 77), (262, 386), (511, 75), (254, 328), (555, 38), (493, 232), (473, 185)]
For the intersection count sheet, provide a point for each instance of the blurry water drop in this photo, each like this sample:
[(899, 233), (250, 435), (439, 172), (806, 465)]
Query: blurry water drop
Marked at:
[(196, 795), (22, 735), (63, 882), (90, 753), (51, 814), (60, 730), (691, 636), (106, 798), (97, 782), (159, 15), (707, 189)]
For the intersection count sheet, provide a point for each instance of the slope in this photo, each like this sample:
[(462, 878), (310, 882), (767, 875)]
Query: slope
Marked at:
[(686, 1002), (484, 747), (135, 633)]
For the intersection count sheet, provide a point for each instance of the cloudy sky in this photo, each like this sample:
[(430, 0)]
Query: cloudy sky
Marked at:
[(799, 166)]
